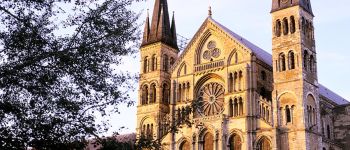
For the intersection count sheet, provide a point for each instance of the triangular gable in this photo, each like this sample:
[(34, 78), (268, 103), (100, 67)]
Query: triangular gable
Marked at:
[(260, 53)]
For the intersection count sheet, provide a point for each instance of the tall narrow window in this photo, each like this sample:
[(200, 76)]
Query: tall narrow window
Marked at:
[(154, 63), (306, 57), (328, 132), (183, 97), (188, 90), (235, 107), (291, 60), (311, 63), (240, 81), (179, 93), (278, 28), (166, 63), (288, 115), (240, 106), (230, 108), (285, 26), (303, 25), (165, 94), (153, 93), (263, 75), (230, 81), (172, 61), (235, 82), (292, 24), (145, 65), (282, 62), (145, 95)]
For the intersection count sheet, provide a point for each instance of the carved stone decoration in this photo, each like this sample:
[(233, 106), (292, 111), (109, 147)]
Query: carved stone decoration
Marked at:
[(211, 99), (212, 51)]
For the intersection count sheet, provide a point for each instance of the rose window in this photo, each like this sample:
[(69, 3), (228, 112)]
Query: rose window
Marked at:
[(211, 99)]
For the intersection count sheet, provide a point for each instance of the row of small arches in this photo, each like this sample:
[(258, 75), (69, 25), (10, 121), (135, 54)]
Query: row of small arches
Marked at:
[(309, 62), (288, 25), (150, 63), (149, 94), (264, 112), (236, 107), (285, 26), (147, 130), (287, 114), (183, 92), (282, 61), (235, 81), (208, 142)]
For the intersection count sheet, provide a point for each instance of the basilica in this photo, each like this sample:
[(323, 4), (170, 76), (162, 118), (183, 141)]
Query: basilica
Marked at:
[(247, 98)]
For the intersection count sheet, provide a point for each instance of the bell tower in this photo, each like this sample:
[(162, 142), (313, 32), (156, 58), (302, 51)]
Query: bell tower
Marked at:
[(158, 51), (296, 98)]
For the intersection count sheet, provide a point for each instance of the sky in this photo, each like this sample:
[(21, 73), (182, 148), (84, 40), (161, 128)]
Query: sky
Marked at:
[(252, 20)]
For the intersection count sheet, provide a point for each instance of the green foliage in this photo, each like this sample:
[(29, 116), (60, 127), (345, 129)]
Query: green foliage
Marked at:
[(55, 69)]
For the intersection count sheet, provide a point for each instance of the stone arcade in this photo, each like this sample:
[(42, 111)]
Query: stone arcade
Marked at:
[(249, 99)]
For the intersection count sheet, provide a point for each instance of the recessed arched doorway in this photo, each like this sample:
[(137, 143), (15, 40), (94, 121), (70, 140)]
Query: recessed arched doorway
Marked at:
[(185, 145), (235, 142), (264, 144)]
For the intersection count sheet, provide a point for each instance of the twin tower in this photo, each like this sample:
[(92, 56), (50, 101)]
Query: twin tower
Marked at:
[(166, 84)]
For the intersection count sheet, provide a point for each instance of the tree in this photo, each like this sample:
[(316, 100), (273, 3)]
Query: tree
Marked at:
[(51, 84)]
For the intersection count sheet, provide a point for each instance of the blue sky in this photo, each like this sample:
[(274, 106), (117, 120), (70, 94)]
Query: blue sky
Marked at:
[(251, 19)]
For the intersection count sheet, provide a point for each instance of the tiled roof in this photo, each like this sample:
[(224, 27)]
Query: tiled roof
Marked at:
[(332, 96), (260, 53), (267, 58)]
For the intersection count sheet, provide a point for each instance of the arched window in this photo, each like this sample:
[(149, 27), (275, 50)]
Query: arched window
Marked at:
[(208, 141), (183, 96), (148, 131), (145, 65), (307, 29), (288, 115), (166, 63), (185, 146), (267, 118), (303, 25), (235, 142), (151, 131), (264, 144), (306, 57), (263, 92), (285, 26), (240, 106), (278, 28), (291, 60), (188, 91), (230, 108), (154, 63), (230, 81), (240, 81), (235, 82), (172, 61), (282, 62), (292, 24), (263, 75), (235, 107), (328, 132), (145, 95), (311, 63), (153, 95), (179, 93), (165, 93)]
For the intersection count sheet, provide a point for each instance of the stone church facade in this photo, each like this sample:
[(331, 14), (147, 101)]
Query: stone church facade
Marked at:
[(247, 98)]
